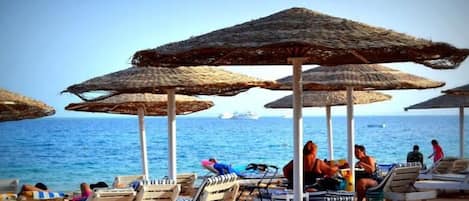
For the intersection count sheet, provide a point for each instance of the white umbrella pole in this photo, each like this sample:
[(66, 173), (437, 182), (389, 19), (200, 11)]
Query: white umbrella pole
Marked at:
[(350, 135), (297, 128), (143, 142), (329, 132), (171, 135), (461, 132)]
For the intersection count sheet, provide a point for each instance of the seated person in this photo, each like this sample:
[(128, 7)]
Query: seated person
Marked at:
[(313, 168), (368, 178), (27, 190), (85, 193), (416, 156), (223, 168)]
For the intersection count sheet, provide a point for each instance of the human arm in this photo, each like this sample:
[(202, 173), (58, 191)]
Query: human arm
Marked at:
[(326, 169), (368, 164)]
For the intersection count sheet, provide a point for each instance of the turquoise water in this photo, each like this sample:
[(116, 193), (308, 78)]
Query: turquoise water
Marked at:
[(63, 152)]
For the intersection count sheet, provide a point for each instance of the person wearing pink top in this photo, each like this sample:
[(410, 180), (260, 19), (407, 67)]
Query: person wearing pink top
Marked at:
[(85, 192), (437, 151)]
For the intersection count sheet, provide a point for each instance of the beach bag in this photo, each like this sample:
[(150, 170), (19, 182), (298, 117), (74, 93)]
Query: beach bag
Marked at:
[(328, 183)]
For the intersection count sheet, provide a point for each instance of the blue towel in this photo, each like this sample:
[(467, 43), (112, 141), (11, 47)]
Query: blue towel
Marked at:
[(40, 195)]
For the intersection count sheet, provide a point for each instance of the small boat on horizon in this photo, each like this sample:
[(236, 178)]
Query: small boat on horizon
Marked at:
[(376, 125), (238, 115)]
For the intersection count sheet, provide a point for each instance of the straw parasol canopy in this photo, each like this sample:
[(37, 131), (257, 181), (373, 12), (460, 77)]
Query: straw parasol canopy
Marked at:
[(300, 36), (329, 98), (181, 80), (462, 90), (14, 106), (356, 77), (300, 32), (443, 101), (359, 77), (141, 105), (448, 101), (153, 104), (184, 80)]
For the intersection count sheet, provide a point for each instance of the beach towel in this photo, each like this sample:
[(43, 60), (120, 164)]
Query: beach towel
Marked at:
[(41, 195)]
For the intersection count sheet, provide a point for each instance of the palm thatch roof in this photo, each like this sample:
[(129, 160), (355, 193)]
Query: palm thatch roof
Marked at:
[(462, 90), (359, 77), (14, 106), (153, 104), (184, 80), (300, 32), (443, 101), (329, 98)]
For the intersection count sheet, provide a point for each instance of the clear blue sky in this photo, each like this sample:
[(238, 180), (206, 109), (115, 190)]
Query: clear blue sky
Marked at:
[(51, 44)]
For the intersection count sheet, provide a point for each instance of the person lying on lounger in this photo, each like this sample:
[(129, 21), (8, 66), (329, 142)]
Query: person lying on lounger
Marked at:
[(220, 168), (27, 190)]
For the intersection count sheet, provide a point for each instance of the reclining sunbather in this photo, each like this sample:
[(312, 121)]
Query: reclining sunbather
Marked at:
[(27, 190)]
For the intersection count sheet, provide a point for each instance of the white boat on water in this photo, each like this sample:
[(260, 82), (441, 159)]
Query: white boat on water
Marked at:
[(225, 115), (245, 115), (238, 115)]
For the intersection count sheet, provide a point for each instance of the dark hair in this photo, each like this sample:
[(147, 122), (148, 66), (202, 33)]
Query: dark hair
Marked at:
[(309, 147), (434, 141), (360, 147), (212, 160), (41, 186), (100, 184), (416, 147)]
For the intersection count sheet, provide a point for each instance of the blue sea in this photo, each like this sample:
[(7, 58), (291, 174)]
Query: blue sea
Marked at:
[(63, 152)]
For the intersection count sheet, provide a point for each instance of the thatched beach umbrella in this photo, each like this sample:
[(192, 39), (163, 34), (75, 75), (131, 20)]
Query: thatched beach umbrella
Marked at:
[(462, 90), (300, 36), (356, 77), (181, 80), (14, 106), (142, 104), (328, 99), (448, 101)]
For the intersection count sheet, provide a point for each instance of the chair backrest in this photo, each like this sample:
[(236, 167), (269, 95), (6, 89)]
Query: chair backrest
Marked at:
[(9, 186), (402, 179), (161, 190), (112, 194), (186, 180), (459, 166), (223, 187), (124, 180)]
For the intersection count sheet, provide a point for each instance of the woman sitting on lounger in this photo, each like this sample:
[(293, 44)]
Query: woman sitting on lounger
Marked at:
[(366, 180), (313, 168)]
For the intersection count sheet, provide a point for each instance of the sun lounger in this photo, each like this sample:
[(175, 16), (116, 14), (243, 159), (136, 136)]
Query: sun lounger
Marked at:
[(124, 181), (8, 189), (112, 194), (399, 185), (9, 185), (186, 181), (444, 184), (161, 190), (460, 166), (441, 167), (223, 187)]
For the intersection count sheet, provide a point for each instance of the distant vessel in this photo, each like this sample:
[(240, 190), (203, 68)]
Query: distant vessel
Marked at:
[(376, 125), (225, 115), (245, 115), (238, 115)]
